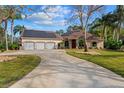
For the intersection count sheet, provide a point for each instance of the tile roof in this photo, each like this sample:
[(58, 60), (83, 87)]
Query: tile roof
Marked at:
[(75, 34)]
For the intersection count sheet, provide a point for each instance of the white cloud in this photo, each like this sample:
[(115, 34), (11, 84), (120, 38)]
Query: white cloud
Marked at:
[(23, 16), (60, 22), (55, 9), (51, 23), (59, 9), (54, 16), (28, 27), (39, 15), (45, 22)]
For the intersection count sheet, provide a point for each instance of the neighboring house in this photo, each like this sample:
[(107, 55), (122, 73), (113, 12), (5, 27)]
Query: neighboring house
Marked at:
[(72, 38), (38, 40)]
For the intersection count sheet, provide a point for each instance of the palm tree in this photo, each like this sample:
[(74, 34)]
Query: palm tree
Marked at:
[(14, 12), (95, 27), (4, 16), (18, 29), (14, 17), (11, 13), (108, 25), (120, 18)]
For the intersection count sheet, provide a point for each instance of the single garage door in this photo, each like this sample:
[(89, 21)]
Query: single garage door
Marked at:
[(50, 45), (28, 46), (39, 46)]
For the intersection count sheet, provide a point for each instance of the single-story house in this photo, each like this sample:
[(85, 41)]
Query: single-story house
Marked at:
[(72, 38), (38, 40)]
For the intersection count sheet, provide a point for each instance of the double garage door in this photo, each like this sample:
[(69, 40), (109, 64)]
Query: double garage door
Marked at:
[(38, 46)]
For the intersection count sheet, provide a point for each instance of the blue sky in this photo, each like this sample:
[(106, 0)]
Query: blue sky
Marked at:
[(55, 20)]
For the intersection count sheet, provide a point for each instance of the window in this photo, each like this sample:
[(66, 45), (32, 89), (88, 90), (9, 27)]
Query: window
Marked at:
[(94, 44), (81, 43), (66, 44)]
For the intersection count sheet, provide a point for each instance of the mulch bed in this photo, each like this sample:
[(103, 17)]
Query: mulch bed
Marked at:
[(6, 58), (90, 53)]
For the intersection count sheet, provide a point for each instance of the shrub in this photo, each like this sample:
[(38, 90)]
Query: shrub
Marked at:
[(2, 50), (14, 46), (2, 47), (113, 44)]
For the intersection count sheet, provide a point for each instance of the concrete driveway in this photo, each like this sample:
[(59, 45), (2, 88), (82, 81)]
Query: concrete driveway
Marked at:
[(59, 70)]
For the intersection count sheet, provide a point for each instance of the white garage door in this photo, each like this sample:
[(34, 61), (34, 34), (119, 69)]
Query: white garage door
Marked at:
[(49, 45), (28, 46), (39, 46)]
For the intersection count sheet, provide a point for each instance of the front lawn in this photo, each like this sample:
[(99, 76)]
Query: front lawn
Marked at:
[(111, 60), (15, 69)]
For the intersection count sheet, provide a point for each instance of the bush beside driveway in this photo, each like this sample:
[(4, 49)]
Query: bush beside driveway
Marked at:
[(112, 60), (12, 71)]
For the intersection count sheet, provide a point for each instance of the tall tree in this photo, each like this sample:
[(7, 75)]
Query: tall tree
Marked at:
[(110, 23), (11, 12), (4, 16), (83, 14), (13, 15), (120, 21)]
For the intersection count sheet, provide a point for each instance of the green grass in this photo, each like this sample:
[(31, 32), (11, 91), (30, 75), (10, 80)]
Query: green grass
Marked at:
[(12, 71), (111, 60)]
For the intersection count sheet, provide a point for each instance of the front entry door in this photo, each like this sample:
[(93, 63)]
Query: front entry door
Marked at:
[(73, 43)]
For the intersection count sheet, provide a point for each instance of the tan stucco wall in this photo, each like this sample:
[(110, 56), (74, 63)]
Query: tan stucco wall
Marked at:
[(89, 44), (100, 44)]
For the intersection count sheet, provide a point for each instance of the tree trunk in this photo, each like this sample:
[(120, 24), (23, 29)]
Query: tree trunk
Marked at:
[(117, 38), (85, 41), (6, 35), (114, 31), (102, 32), (105, 34), (118, 32), (12, 26), (81, 21), (85, 36)]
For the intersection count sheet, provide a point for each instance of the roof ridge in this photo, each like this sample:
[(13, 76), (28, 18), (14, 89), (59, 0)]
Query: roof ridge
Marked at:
[(40, 30)]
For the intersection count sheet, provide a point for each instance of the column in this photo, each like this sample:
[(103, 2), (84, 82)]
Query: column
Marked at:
[(77, 43), (70, 44)]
